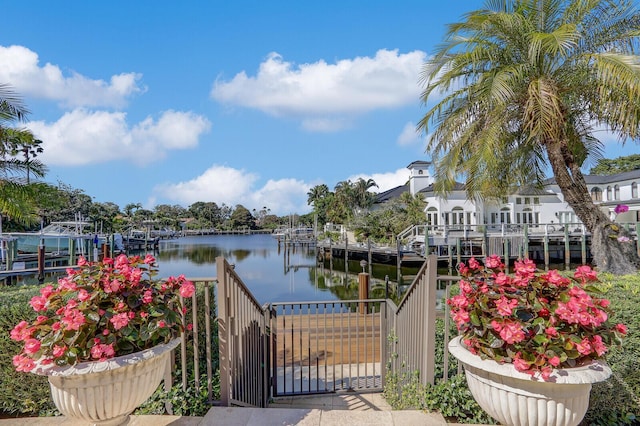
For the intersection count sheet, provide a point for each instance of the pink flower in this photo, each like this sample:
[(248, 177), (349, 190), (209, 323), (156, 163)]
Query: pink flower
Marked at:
[(162, 324), (512, 332), (21, 331), (585, 273), (82, 261), (551, 332), (520, 364), (555, 361), (23, 363), (505, 306), (149, 259), (46, 291), (598, 345), (459, 301), (187, 289), (31, 346), (73, 319), (83, 295), (120, 320), (621, 328), (39, 303), (493, 262), (474, 264), (584, 347), (621, 208), (147, 297), (58, 351)]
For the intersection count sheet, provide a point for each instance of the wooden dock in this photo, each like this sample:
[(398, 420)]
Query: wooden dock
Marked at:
[(328, 339)]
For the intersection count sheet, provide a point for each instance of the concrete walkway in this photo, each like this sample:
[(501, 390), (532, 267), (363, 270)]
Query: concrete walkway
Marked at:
[(330, 410)]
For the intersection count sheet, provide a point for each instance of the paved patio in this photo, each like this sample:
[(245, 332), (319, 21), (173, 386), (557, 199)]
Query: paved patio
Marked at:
[(326, 410)]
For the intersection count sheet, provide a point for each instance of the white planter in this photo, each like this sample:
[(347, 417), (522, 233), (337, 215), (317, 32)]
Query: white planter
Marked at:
[(107, 392), (514, 398)]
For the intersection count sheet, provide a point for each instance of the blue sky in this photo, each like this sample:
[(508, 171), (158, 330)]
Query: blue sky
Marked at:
[(238, 102)]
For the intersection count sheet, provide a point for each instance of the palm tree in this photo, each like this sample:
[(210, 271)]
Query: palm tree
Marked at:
[(526, 83), (16, 195), (363, 198), (317, 193)]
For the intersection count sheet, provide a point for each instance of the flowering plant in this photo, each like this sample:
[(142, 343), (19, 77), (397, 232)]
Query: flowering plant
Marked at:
[(537, 321), (102, 310)]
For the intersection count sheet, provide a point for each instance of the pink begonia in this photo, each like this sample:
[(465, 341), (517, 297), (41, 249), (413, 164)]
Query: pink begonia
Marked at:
[(46, 291), (465, 287), (23, 363), (149, 259), (147, 297), (505, 306), (551, 332), (512, 332), (555, 361), (58, 351), (83, 295), (73, 319), (621, 328), (82, 261), (31, 346), (493, 262), (120, 320), (584, 347), (458, 301), (39, 303), (554, 277), (474, 264), (21, 331), (502, 279), (598, 345), (520, 364), (585, 273), (187, 289), (162, 324)]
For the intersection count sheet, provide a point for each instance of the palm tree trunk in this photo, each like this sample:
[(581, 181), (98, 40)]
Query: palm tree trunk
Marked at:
[(611, 249)]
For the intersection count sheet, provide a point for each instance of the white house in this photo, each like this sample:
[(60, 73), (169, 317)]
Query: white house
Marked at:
[(528, 205)]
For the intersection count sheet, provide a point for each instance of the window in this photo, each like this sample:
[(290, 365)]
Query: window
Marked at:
[(536, 201), (505, 215), (527, 200), (634, 190), (432, 216), (616, 192), (518, 200), (505, 200), (420, 172), (609, 197), (596, 194)]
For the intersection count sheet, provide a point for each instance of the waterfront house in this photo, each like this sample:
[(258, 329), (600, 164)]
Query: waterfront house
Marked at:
[(528, 205)]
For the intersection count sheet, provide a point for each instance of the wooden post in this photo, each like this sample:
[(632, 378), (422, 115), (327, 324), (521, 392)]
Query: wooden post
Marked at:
[(567, 248), (41, 262), (545, 244), (363, 291), (370, 255), (526, 241), (506, 253)]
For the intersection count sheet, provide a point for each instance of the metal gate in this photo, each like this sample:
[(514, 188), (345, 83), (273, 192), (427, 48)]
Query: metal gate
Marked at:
[(321, 347)]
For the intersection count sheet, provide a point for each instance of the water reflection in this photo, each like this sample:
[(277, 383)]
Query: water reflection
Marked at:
[(274, 273)]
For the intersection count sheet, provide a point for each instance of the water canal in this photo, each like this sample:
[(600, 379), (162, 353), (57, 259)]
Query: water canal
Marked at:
[(271, 272)]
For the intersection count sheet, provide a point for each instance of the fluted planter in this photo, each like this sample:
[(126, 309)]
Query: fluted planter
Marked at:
[(515, 399), (106, 392)]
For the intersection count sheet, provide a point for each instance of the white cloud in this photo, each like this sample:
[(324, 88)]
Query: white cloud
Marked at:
[(409, 135), (21, 68), (82, 137), (385, 181), (321, 91), (222, 184)]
